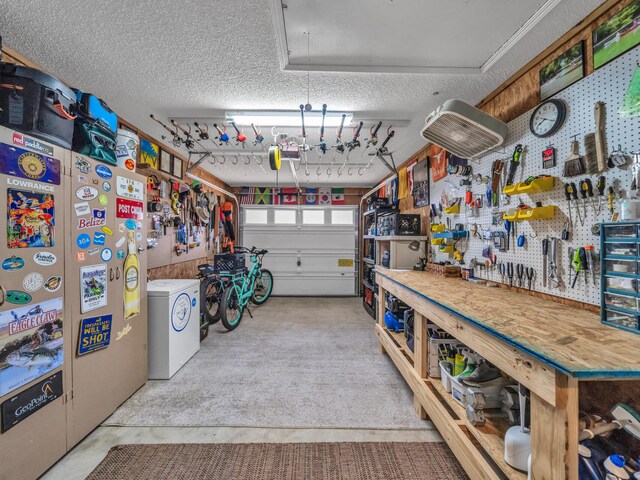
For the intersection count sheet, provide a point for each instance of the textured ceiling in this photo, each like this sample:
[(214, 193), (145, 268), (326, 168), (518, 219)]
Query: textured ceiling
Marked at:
[(195, 59)]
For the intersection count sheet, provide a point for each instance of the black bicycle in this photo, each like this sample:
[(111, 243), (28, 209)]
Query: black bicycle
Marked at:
[(211, 289)]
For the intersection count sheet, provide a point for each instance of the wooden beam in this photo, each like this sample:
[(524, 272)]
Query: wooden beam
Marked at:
[(420, 350)]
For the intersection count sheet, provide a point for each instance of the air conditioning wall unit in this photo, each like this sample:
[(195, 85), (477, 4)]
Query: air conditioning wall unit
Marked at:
[(464, 130)]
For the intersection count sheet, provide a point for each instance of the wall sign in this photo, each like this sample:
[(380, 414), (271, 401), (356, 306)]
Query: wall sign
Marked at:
[(45, 258), (31, 338), (87, 193), (30, 400), (30, 219), (95, 334), (128, 188), (32, 166), (129, 209), (93, 287)]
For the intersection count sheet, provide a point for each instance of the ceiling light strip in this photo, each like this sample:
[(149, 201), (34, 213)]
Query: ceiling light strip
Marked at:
[(519, 34)]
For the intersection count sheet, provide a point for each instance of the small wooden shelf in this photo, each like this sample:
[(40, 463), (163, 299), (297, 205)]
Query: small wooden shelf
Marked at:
[(400, 237)]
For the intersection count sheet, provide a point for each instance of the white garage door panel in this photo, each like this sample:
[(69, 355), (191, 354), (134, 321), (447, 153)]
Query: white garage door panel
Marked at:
[(318, 248)]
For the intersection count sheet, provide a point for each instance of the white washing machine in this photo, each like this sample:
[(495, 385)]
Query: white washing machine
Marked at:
[(174, 325)]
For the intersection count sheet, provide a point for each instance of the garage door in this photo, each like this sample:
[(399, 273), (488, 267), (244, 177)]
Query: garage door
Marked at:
[(312, 249)]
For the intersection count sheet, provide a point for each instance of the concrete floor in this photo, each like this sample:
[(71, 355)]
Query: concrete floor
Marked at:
[(287, 314)]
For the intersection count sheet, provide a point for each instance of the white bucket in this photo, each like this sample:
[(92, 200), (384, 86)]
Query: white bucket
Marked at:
[(127, 149)]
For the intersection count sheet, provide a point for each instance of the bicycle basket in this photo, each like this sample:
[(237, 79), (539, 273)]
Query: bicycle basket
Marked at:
[(229, 263), (206, 269)]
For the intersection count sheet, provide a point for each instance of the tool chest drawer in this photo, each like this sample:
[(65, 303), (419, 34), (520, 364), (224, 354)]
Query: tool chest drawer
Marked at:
[(621, 284), (620, 266), (621, 231), (621, 301), (620, 319), (621, 249)]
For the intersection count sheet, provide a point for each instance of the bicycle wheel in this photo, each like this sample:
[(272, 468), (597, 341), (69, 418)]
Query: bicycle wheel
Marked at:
[(210, 294), (263, 288), (230, 308)]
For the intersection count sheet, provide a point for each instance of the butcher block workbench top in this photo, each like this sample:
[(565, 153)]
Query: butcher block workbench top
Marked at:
[(571, 340)]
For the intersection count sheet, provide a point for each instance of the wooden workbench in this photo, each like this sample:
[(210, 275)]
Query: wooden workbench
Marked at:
[(548, 347)]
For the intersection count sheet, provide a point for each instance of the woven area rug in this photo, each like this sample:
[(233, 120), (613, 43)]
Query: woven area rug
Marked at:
[(280, 461)]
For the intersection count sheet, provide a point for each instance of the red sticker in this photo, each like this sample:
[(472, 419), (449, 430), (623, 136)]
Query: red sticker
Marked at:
[(129, 209)]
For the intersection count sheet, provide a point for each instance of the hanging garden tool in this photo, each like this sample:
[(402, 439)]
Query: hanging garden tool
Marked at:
[(223, 136), (513, 165), (176, 141), (188, 141), (323, 144), (373, 138)]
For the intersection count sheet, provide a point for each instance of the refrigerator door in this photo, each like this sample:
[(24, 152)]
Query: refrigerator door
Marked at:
[(35, 332), (109, 352)]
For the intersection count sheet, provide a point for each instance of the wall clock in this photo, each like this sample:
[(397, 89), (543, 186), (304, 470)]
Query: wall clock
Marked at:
[(548, 118)]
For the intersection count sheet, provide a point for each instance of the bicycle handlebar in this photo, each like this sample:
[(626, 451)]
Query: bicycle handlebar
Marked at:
[(252, 250)]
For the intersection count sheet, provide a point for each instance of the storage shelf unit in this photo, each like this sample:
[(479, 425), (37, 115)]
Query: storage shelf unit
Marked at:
[(620, 275)]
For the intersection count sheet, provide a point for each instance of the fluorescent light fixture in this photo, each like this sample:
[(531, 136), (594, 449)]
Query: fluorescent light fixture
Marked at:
[(288, 118)]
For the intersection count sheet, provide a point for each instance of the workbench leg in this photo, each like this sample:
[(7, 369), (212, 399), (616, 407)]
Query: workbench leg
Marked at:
[(554, 433), (420, 346), (381, 311)]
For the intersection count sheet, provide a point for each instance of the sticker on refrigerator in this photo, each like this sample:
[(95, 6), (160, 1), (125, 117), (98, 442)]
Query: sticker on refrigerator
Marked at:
[(45, 258), (107, 230), (104, 200), (129, 209), (53, 284), (120, 254), (93, 251), (83, 240), (83, 165), (87, 193), (128, 188), (32, 166), (130, 224), (81, 256), (83, 179), (17, 297), (31, 342), (99, 238), (103, 171), (30, 218), (93, 287), (12, 264), (120, 242), (31, 143), (131, 280), (106, 186), (181, 312), (29, 401), (82, 208), (106, 254), (32, 282), (90, 222), (95, 334), (123, 332)]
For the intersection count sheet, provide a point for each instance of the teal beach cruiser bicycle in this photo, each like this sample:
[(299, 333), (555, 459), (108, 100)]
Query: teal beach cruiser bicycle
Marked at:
[(255, 287)]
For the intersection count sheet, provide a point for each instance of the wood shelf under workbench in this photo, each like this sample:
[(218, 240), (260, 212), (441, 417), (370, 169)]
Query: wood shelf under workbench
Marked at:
[(556, 351)]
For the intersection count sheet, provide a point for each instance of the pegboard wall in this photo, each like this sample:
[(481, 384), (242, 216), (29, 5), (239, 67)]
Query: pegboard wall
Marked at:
[(609, 85)]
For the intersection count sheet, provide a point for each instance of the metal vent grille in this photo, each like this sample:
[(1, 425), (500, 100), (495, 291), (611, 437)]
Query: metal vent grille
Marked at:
[(459, 136)]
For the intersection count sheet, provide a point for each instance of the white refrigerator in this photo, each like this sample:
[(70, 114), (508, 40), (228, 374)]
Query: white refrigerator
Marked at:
[(174, 325)]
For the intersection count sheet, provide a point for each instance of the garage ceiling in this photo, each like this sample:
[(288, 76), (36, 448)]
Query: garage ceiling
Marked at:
[(202, 58)]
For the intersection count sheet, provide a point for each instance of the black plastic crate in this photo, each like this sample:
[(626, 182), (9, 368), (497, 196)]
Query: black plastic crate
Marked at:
[(229, 263), (398, 224)]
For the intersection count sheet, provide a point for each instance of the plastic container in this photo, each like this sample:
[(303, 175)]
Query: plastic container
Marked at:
[(458, 392), (621, 301), (622, 267), (621, 284), (127, 149), (621, 319), (624, 249), (621, 231), (445, 377)]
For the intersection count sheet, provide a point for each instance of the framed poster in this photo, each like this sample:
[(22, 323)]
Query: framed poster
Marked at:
[(165, 161), (617, 35), (438, 160), (149, 153), (177, 167), (421, 190), (565, 70)]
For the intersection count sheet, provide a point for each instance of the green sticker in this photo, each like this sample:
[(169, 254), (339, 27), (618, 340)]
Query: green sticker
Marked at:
[(103, 199), (18, 297)]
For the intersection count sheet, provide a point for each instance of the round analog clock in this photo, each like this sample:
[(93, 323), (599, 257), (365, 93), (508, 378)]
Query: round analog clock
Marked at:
[(548, 118)]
